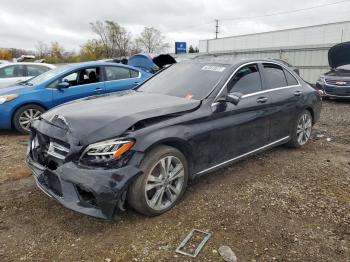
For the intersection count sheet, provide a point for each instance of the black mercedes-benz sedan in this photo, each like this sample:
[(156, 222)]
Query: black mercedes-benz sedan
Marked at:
[(141, 147), (336, 82)]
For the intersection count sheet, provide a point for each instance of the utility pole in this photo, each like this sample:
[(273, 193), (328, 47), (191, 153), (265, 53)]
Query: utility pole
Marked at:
[(216, 28)]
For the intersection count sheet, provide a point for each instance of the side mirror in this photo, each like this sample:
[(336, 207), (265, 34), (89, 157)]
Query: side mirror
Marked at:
[(63, 85), (233, 98)]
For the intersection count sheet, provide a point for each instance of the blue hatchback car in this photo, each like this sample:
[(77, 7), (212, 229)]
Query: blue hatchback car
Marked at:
[(22, 103)]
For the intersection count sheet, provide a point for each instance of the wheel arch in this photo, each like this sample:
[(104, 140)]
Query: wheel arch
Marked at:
[(26, 104), (178, 144), (310, 109)]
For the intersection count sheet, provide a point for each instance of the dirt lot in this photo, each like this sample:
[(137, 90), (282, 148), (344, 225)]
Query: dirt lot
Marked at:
[(282, 205)]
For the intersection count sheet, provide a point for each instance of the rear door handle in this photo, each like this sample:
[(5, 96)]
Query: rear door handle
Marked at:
[(297, 93), (98, 89), (262, 100)]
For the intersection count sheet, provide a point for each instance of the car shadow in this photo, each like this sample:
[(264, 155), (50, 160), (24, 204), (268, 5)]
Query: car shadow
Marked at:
[(7, 132), (345, 101)]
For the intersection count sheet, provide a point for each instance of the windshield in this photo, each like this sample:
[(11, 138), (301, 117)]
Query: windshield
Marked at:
[(187, 80), (46, 76)]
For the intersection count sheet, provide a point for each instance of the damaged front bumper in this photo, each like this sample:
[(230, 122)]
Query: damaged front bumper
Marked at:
[(53, 157), (94, 192)]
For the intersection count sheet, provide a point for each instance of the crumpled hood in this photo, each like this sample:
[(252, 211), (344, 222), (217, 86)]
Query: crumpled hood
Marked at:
[(339, 55), (94, 119)]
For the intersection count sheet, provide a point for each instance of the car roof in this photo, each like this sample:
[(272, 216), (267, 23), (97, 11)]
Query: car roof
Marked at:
[(221, 59), (96, 63), (26, 63)]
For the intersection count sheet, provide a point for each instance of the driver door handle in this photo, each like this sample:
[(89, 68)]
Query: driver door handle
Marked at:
[(98, 89), (297, 93), (262, 100)]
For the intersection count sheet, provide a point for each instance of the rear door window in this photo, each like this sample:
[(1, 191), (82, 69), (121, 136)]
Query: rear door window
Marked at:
[(274, 76), (246, 81), (118, 73)]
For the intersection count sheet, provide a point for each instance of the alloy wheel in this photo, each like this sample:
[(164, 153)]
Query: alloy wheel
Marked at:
[(165, 183), (27, 117), (304, 129)]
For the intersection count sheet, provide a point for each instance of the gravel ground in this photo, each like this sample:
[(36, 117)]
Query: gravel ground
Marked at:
[(281, 205)]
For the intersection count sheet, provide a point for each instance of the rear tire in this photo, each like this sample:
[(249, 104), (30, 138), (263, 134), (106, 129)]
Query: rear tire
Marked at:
[(301, 130), (162, 184), (24, 116)]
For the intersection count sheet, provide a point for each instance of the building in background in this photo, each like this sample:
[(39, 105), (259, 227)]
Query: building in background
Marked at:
[(304, 47)]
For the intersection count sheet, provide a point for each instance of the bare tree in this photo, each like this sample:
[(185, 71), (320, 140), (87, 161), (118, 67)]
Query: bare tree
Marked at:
[(151, 40), (42, 49), (99, 29), (114, 38), (135, 48), (123, 42)]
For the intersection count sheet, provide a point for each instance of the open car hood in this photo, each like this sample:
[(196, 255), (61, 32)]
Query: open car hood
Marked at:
[(150, 62), (95, 119), (339, 55)]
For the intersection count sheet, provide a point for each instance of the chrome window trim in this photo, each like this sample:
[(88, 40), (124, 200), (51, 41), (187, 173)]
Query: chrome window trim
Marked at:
[(269, 90), (123, 79), (241, 156), (259, 92)]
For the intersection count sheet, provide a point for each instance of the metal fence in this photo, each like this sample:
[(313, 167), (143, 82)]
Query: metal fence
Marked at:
[(304, 47)]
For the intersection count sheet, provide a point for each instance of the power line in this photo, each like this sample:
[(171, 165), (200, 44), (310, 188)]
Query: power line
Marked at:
[(207, 23), (285, 12)]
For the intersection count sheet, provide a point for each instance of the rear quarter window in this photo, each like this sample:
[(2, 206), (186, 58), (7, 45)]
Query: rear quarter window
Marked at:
[(134, 73), (290, 78)]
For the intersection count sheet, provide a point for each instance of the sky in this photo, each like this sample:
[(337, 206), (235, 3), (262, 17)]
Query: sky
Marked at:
[(25, 22)]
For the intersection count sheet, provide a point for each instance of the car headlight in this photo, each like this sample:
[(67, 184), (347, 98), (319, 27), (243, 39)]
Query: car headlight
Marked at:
[(107, 153), (7, 98)]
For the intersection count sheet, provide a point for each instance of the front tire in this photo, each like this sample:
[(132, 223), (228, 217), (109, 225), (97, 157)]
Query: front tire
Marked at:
[(302, 130), (164, 181), (24, 116)]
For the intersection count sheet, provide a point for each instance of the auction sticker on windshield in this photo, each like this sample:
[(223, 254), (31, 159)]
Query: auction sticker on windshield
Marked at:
[(214, 68)]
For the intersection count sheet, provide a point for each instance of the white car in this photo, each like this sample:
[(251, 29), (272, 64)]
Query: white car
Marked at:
[(12, 73)]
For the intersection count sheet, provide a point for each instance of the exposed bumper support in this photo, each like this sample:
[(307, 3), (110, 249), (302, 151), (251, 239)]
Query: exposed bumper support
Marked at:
[(94, 192)]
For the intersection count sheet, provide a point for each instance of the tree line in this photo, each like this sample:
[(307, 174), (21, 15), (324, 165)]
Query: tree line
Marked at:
[(112, 41)]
